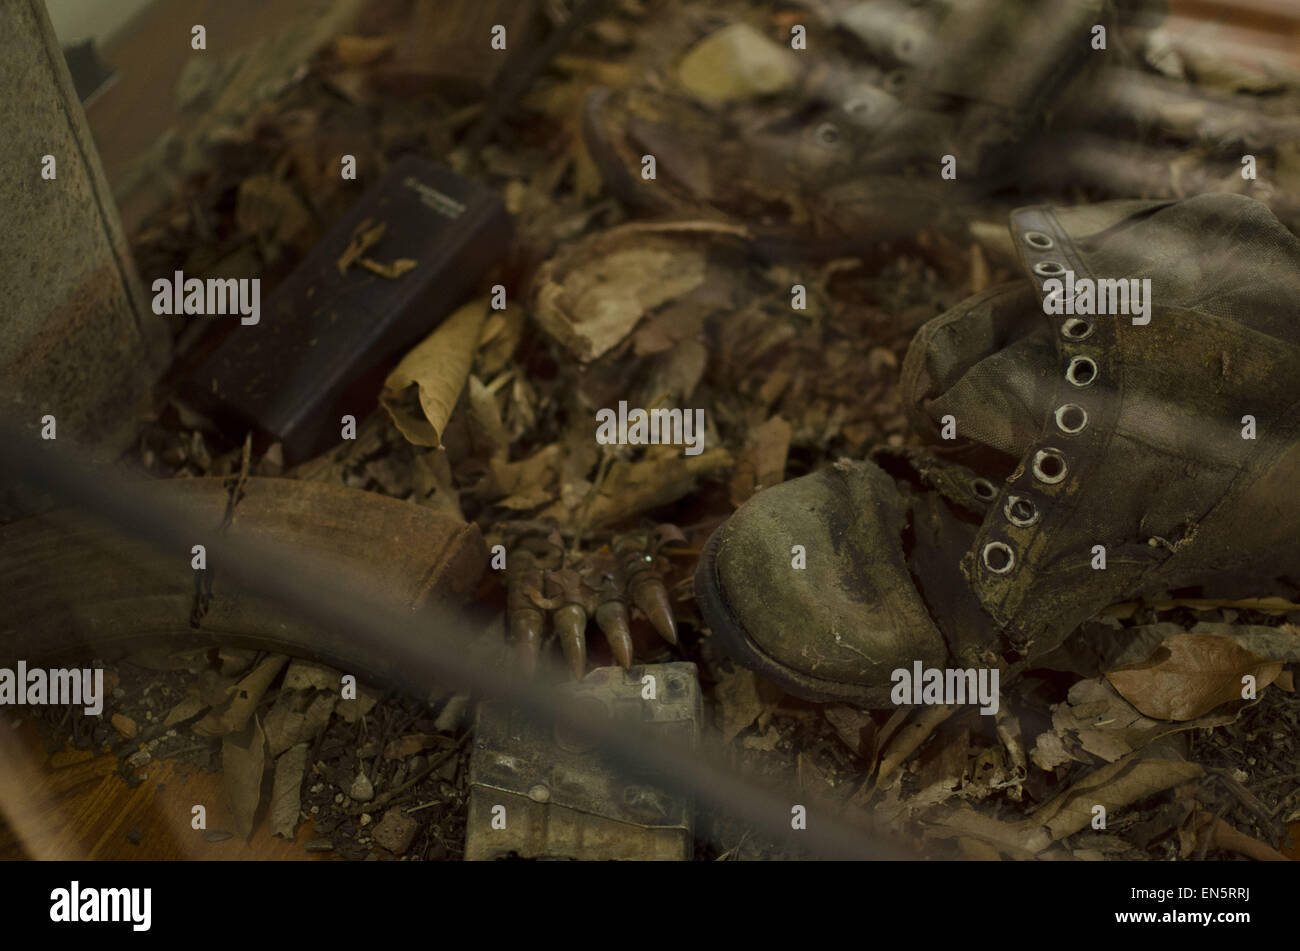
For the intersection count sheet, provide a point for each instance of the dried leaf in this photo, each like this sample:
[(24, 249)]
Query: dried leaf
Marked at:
[(437, 368), (272, 209), (762, 464), (410, 744), (910, 736), (734, 63), (765, 742), (631, 488), (359, 50), (854, 727), (305, 675), (1127, 609), (244, 698), (592, 294), (1099, 721), (235, 661), (243, 762), (187, 708), (942, 764), (318, 714), (486, 416), (1113, 786), (283, 726), (525, 484), (1190, 675), (364, 236), (742, 698), (390, 271), (353, 710), (286, 791)]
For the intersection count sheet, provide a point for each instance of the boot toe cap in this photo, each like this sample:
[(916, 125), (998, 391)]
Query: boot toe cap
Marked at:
[(809, 582)]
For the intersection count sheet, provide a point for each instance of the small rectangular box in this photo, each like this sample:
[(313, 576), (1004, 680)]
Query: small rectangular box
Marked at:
[(326, 340), (561, 799)]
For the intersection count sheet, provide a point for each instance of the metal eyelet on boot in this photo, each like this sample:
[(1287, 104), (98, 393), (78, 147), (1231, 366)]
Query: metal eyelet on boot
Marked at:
[(1076, 328), (1049, 268), (1071, 418), (827, 134), (1020, 512), (1038, 240), (998, 557), (1081, 371), (983, 489), (1049, 466)]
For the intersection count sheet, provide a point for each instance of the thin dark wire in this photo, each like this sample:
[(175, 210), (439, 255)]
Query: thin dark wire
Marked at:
[(324, 596)]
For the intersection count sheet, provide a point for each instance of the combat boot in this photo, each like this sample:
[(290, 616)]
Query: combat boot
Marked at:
[(1112, 448)]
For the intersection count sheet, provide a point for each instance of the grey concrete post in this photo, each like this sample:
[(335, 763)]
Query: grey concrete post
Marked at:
[(77, 338)]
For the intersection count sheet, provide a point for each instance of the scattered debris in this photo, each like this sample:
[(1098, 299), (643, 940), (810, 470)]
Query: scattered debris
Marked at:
[(395, 831)]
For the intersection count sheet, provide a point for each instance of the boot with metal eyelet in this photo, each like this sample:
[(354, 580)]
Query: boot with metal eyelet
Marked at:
[(1139, 394), (1107, 457), (828, 583)]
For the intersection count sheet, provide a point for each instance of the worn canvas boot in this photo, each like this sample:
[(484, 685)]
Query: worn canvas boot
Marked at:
[(827, 583), (1120, 455), (844, 140)]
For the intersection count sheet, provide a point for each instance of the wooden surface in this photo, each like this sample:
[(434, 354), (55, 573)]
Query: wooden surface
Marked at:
[(74, 805), (149, 55)]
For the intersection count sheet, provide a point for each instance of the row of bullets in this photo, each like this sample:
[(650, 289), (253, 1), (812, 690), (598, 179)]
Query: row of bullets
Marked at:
[(543, 579)]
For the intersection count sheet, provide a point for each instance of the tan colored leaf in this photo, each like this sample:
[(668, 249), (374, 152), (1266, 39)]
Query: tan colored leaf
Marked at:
[(364, 236), (1127, 609), (737, 62), (1113, 786), (854, 727), (1191, 674), (305, 675), (284, 721), (352, 50), (390, 271), (1101, 722), (409, 745), (743, 698), (437, 368), (286, 791), (187, 708), (353, 710), (665, 475), (243, 763), (244, 698), (594, 292), (271, 208)]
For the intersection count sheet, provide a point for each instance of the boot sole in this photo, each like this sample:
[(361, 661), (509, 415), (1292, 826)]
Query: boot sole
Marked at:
[(737, 644)]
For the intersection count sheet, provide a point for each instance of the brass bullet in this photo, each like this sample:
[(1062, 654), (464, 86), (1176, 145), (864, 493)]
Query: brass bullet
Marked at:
[(526, 631), (613, 620), (650, 595), (571, 625)]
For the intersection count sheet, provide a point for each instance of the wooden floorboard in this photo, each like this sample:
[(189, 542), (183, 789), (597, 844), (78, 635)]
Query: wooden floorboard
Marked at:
[(75, 805)]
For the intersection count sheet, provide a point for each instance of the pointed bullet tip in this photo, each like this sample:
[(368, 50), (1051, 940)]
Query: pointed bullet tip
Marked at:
[(652, 598)]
